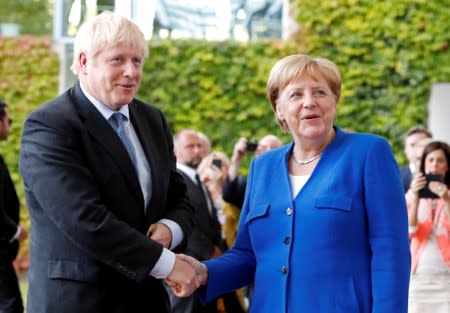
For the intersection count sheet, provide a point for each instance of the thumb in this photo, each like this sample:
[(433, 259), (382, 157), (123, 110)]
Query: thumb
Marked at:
[(150, 230)]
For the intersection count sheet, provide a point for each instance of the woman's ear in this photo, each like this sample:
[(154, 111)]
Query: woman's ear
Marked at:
[(280, 112)]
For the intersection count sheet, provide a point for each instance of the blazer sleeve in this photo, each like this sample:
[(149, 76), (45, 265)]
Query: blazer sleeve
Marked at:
[(61, 186), (236, 268), (388, 230)]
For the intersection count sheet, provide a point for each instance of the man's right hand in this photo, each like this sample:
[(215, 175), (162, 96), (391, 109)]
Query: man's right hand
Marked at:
[(23, 234), (183, 278)]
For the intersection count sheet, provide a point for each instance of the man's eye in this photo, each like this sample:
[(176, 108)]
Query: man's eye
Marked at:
[(116, 60)]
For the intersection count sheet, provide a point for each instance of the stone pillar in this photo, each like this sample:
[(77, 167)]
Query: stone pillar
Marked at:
[(439, 111)]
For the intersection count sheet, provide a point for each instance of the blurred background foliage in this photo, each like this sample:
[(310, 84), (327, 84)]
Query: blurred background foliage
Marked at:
[(33, 16), (389, 54)]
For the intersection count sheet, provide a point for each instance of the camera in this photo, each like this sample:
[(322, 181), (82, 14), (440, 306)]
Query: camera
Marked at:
[(217, 163), (426, 192), (251, 146)]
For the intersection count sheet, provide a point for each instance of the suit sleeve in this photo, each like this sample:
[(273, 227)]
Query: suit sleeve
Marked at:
[(8, 227), (179, 206), (60, 185), (388, 230)]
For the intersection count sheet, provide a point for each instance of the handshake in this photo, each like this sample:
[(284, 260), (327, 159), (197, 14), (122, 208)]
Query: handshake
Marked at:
[(187, 275)]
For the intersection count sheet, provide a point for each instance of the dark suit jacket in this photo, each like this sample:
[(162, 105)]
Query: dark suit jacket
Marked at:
[(206, 233), (405, 173), (89, 252), (9, 215), (234, 191)]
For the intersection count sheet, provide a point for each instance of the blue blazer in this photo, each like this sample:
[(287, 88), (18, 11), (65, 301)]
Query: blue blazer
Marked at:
[(341, 245)]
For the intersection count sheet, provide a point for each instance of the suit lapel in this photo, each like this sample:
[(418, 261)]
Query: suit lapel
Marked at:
[(104, 134), (141, 126)]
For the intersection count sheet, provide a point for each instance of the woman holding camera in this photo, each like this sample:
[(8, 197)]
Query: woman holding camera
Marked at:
[(428, 203)]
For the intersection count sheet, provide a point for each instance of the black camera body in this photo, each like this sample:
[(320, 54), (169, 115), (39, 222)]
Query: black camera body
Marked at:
[(217, 163), (426, 192), (251, 146)]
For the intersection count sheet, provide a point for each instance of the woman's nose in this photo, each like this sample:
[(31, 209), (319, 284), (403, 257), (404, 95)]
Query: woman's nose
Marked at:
[(308, 99)]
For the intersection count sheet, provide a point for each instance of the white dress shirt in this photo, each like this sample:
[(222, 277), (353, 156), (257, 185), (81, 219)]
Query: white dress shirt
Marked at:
[(166, 261)]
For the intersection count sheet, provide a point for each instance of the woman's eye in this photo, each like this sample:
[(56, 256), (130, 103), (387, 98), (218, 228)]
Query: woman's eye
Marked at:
[(320, 92), (296, 94)]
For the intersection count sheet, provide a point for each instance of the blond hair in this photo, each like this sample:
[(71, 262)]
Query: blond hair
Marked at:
[(104, 31), (290, 68)]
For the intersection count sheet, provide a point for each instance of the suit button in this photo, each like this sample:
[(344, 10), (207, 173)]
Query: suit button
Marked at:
[(284, 269), (289, 211), (287, 240)]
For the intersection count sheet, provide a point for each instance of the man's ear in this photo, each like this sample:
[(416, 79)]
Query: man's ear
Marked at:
[(82, 62)]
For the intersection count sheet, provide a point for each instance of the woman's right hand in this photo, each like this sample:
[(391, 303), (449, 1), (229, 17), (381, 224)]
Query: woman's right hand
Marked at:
[(200, 269), (418, 182)]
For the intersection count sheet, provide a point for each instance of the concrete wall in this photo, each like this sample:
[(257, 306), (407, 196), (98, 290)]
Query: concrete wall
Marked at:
[(439, 111)]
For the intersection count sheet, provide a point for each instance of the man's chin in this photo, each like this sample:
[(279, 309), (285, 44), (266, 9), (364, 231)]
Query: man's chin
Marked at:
[(193, 164)]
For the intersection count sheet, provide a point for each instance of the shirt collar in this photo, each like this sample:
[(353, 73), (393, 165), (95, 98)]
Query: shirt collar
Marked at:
[(105, 111), (189, 171)]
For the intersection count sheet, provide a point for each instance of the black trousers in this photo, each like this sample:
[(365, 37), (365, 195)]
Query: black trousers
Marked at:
[(10, 298)]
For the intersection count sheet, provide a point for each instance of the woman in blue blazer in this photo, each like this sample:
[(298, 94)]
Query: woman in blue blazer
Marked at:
[(323, 227)]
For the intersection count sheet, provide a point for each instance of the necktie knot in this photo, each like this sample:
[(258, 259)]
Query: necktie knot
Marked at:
[(117, 121)]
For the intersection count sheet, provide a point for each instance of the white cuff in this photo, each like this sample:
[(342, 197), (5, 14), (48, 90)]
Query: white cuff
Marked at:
[(177, 233), (164, 265)]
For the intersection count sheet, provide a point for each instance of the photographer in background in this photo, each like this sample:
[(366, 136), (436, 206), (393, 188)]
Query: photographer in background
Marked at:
[(234, 186), (411, 141), (11, 233), (428, 201)]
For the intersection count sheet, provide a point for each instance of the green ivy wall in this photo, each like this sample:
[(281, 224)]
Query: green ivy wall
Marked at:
[(389, 52)]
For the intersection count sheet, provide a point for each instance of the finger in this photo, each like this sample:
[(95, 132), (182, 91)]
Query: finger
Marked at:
[(185, 257), (150, 230)]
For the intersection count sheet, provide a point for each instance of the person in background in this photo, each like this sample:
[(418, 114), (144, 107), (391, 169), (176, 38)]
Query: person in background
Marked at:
[(418, 152), (205, 240), (11, 233), (213, 170), (324, 224), (411, 138), (205, 144), (428, 201), (234, 185), (106, 202)]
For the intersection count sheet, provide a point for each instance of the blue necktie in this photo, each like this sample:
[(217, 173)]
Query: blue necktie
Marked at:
[(117, 121)]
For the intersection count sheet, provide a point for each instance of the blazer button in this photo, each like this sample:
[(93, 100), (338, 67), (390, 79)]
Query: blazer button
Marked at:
[(287, 240), (284, 269), (289, 211)]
